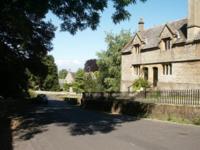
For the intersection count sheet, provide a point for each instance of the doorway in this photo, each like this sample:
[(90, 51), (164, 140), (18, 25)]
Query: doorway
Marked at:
[(155, 76), (146, 73)]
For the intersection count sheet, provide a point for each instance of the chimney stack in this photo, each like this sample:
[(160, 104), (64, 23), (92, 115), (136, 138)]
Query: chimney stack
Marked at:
[(141, 25), (193, 19)]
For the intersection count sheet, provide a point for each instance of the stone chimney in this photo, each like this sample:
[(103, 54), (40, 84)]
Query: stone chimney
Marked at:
[(193, 19), (141, 25)]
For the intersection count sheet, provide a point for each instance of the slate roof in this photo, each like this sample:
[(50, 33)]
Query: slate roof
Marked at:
[(151, 36)]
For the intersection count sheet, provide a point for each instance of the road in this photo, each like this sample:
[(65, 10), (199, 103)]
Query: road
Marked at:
[(59, 126)]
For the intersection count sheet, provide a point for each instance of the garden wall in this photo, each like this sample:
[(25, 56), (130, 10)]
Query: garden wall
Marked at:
[(177, 113)]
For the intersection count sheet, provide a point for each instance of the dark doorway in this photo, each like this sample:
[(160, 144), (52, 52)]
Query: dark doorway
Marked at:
[(146, 73), (155, 76)]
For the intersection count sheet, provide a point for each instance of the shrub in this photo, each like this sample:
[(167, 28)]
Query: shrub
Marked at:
[(196, 121), (32, 94), (66, 87), (140, 83)]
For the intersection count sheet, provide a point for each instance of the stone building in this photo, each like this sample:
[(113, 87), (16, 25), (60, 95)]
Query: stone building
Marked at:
[(168, 56), (69, 79)]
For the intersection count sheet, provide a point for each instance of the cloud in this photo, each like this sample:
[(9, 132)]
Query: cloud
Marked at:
[(72, 65)]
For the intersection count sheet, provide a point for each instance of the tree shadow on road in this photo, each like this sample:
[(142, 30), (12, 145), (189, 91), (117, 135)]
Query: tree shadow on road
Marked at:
[(5, 134), (77, 121)]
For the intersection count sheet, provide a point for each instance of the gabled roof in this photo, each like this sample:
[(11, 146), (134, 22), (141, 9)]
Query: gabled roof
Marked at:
[(70, 77), (151, 37), (171, 30), (129, 45), (140, 36)]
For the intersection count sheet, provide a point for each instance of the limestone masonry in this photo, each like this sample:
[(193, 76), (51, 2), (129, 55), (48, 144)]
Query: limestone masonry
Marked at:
[(168, 56)]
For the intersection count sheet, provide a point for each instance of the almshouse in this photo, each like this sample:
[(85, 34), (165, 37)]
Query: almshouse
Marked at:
[(168, 56)]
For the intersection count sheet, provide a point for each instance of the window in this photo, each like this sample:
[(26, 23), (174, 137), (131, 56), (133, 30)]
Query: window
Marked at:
[(167, 69), (170, 66), (137, 48), (167, 43), (146, 73), (137, 70)]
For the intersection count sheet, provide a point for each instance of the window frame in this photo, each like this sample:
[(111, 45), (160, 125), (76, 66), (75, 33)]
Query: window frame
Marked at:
[(137, 48), (167, 43), (167, 69), (136, 69)]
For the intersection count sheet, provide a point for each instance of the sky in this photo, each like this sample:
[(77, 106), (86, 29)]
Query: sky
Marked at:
[(72, 51)]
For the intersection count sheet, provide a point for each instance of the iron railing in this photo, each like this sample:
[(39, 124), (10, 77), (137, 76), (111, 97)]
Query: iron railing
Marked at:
[(175, 97)]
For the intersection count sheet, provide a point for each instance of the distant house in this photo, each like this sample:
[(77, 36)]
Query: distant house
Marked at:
[(69, 79), (61, 83), (168, 56), (91, 65)]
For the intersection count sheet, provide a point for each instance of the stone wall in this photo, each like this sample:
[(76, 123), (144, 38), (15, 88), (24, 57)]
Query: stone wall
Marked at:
[(188, 52), (186, 114), (184, 76), (127, 74), (185, 62)]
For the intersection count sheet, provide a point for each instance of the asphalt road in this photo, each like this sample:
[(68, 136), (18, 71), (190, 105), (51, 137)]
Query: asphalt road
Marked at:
[(59, 126)]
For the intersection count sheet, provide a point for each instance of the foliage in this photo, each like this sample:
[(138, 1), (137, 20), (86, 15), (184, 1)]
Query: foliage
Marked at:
[(79, 14), (86, 82), (33, 81), (91, 83), (26, 36), (91, 65), (66, 87), (140, 83), (24, 40), (78, 84), (48, 82), (109, 61), (196, 121), (32, 93), (62, 74)]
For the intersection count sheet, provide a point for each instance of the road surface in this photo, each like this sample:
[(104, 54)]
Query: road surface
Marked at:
[(59, 126)]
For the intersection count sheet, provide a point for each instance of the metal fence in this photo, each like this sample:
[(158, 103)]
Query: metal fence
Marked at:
[(108, 95), (176, 97)]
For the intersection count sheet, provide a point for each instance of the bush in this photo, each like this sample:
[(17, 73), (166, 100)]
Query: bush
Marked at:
[(66, 87), (196, 121), (32, 94), (140, 83)]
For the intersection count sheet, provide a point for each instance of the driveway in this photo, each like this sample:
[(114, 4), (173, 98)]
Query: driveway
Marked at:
[(59, 126)]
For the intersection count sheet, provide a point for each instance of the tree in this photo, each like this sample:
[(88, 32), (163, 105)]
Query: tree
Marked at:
[(66, 87), (86, 82), (81, 14), (78, 84), (25, 40), (49, 82), (25, 37), (91, 65), (91, 83), (62, 74), (109, 61)]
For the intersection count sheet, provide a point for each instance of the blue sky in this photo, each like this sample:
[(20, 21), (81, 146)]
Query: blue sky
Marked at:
[(71, 51)]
